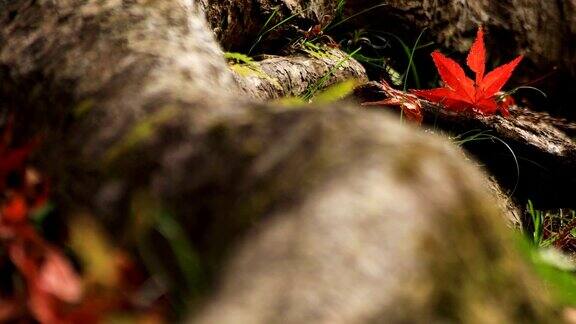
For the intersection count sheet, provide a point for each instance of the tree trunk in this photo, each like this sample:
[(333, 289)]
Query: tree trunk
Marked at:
[(349, 214)]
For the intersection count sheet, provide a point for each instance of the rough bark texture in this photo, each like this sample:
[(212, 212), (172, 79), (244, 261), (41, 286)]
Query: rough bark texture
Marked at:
[(542, 30), (352, 204), (277, 77), (237, 24)]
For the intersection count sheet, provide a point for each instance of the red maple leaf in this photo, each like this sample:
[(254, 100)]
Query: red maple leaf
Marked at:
[(463, 94), (409, 104)]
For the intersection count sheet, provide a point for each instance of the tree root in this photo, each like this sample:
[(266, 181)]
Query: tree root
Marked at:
[(545, 154), (277, 77)]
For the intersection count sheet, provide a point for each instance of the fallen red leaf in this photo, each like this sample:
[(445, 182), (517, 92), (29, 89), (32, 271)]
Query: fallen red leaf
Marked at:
[(15, 210), (9, 310), (461, 93), (43, 306), (12, 159), (52, 290), (50, 278), (409, 104), (58, 278)]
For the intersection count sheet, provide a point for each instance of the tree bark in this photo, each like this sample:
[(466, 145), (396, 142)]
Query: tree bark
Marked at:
[(297, 75), (539, 144), (237, 24), (135, 96), (542, 30)]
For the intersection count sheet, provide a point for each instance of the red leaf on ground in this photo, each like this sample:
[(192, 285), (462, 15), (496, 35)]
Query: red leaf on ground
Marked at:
[(495, 80), (477, 57), (9, 310), (13, 159), (453, 75), (445, 96), (59, 278), (409, 104), (461, 93), (43, 306), (15, 210)]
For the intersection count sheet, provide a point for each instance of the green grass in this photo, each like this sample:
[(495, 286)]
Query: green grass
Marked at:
[(340, 10), (239, 58), (482, 136), (315, 50), (410, 65), (552, 228), (554, 267), (377, 42), (513, 91), (244, 65), (265, 30), (343, 20), (331, 94), (154, 226), (314, 88), (335, 92), (410, 52), (537, 218), (376, 62)]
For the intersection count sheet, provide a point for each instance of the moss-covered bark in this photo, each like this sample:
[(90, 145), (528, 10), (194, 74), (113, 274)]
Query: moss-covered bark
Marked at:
[(298, 75)]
